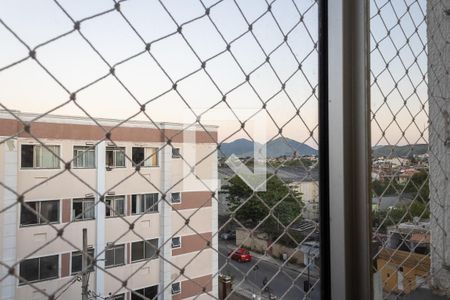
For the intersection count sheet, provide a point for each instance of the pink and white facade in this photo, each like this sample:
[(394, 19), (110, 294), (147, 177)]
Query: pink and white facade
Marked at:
[(181, 227)]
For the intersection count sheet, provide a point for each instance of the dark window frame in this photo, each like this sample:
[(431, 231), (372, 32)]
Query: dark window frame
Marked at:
[(147, 292), (78, 255), (143, 256), (32, 164), (38, 210), (139, 204), (143, 161), (114, 249), (39, 267), (84, 209)]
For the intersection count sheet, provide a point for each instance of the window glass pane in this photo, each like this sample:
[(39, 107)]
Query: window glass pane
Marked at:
[(77, 210), (176, 242), (108, 207), (176, 198), (150, 248), (120, 206), (151, 292), (109, 257), (27, 156), (120, 157), (48, 267), (115, 256), (84, 157), (137, 251), (89, 209), (151, 157), (90, 158), (137, 155), (176, 288), (150, 203), (29, 269), (49, 211), (137, 294), (176, 153), (83, 209), (46, 159), (109, 158), (37, 160), (27, 216), (77, 261), (119, 253), (134, 205)]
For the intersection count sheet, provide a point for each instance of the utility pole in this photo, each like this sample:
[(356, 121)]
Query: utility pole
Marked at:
[(84, 266)]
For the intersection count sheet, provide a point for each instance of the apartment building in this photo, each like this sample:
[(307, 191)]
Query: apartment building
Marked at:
[(158, 221)]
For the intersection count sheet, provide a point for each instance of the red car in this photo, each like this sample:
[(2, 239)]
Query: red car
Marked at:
[(240, 254)]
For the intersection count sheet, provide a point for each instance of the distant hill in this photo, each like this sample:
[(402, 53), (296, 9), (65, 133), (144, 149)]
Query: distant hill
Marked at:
[(239, 147), (400, 151), (276, 148)]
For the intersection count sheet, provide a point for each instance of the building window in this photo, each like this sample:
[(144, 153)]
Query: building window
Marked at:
[(37, 269), (83, 157), (145, 203), (77, 260), (176, 198), (46, 212), (150, 292), (114, 256), (39, 157), (83, 209), (145, 156), (115, 206), (176, 242), (176, 288), (115, 157), (176, 153), (144, 250)]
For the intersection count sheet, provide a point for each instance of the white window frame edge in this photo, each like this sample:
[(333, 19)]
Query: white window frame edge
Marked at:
[(349, 133)]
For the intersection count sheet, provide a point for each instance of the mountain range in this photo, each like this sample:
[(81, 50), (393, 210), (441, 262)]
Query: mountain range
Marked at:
[(275, 148), (400, 151), (286, 147)]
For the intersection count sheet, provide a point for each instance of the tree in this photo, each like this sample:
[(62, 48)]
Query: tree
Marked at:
[(419, 185), (401, 213), (256, 206)]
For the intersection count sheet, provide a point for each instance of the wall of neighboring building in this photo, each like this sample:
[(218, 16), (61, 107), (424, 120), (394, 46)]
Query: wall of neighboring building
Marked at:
[(8, 219), (439, 132)]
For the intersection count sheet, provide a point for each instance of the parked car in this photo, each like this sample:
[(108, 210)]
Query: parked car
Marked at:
[(229, 235), (240, 255)]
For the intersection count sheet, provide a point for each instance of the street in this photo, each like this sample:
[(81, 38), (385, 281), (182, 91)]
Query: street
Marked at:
[(285, 283)]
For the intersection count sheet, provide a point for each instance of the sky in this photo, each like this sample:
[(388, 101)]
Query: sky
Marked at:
[(143, 77)]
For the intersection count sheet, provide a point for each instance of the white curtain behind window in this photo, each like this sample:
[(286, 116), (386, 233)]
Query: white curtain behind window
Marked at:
[(44, 158)]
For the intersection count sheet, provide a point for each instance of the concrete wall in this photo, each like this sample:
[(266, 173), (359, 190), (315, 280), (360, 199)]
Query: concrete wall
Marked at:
[(439, 130)]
